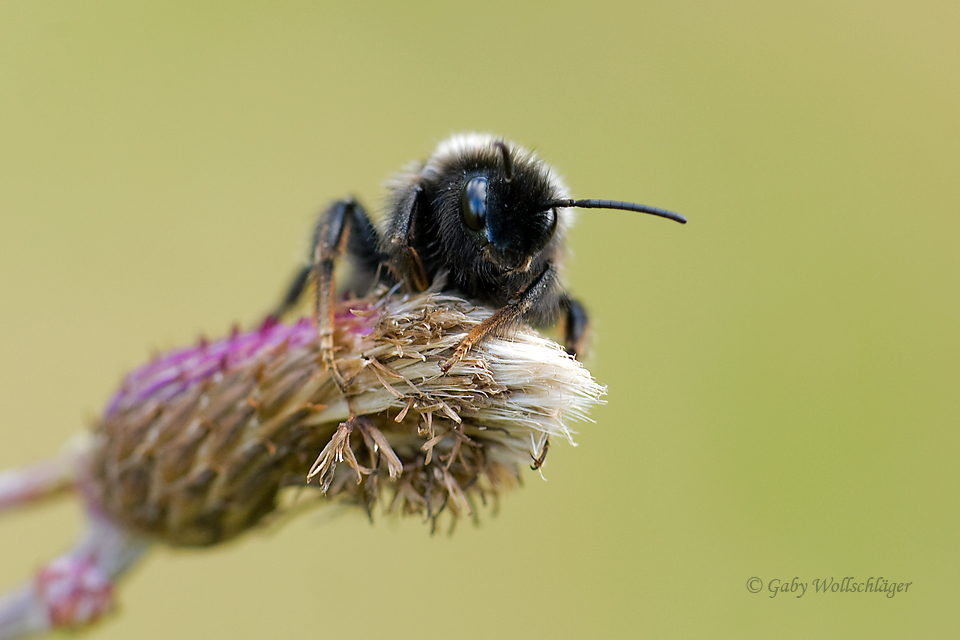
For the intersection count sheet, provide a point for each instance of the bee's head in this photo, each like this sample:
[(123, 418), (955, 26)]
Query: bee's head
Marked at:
[(487, 208), (495, 202)]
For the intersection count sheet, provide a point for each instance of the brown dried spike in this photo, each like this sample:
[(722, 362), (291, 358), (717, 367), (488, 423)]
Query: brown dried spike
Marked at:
[(232, 427), (187, 503), (132, 486), (326, 462), (230, 392), (133, 431), (394, 466), (176, 460), (276, 397)]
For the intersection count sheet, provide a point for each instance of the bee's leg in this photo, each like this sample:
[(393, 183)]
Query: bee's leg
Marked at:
[(575, 325), (294, 291), (405, 262), (344, 226), (362, 247), (505, 316)]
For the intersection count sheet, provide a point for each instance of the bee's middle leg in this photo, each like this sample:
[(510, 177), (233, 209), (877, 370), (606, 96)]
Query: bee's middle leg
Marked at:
[(575, 325)]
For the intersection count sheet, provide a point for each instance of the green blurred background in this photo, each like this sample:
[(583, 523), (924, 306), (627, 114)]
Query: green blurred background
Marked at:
[(782, 372)]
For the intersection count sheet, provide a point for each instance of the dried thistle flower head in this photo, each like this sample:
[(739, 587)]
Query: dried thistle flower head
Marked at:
[(196, 446)]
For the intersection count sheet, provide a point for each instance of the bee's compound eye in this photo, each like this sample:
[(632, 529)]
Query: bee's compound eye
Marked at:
[(473, 203)]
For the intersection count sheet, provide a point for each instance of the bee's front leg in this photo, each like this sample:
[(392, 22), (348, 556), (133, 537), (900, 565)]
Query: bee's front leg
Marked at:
[(505, 316)]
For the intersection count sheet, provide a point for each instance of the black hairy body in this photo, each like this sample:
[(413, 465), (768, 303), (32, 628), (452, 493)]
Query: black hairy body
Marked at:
[(481, 218), (520, 243)]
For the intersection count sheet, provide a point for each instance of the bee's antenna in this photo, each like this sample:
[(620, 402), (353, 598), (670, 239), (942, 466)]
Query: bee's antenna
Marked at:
[(507, 162), (617, 204)]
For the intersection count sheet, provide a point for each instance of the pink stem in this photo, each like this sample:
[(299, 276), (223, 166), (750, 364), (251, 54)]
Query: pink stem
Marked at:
[(38, 481), (75, 589)]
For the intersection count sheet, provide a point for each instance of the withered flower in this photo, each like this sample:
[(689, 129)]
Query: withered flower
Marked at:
[(196, 446), (204, 443)]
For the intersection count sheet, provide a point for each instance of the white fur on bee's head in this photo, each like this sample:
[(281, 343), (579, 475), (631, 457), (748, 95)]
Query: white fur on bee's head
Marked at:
[(460, 145)]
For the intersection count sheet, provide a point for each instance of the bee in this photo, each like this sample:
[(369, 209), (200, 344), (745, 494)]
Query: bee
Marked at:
[(482, 218)]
